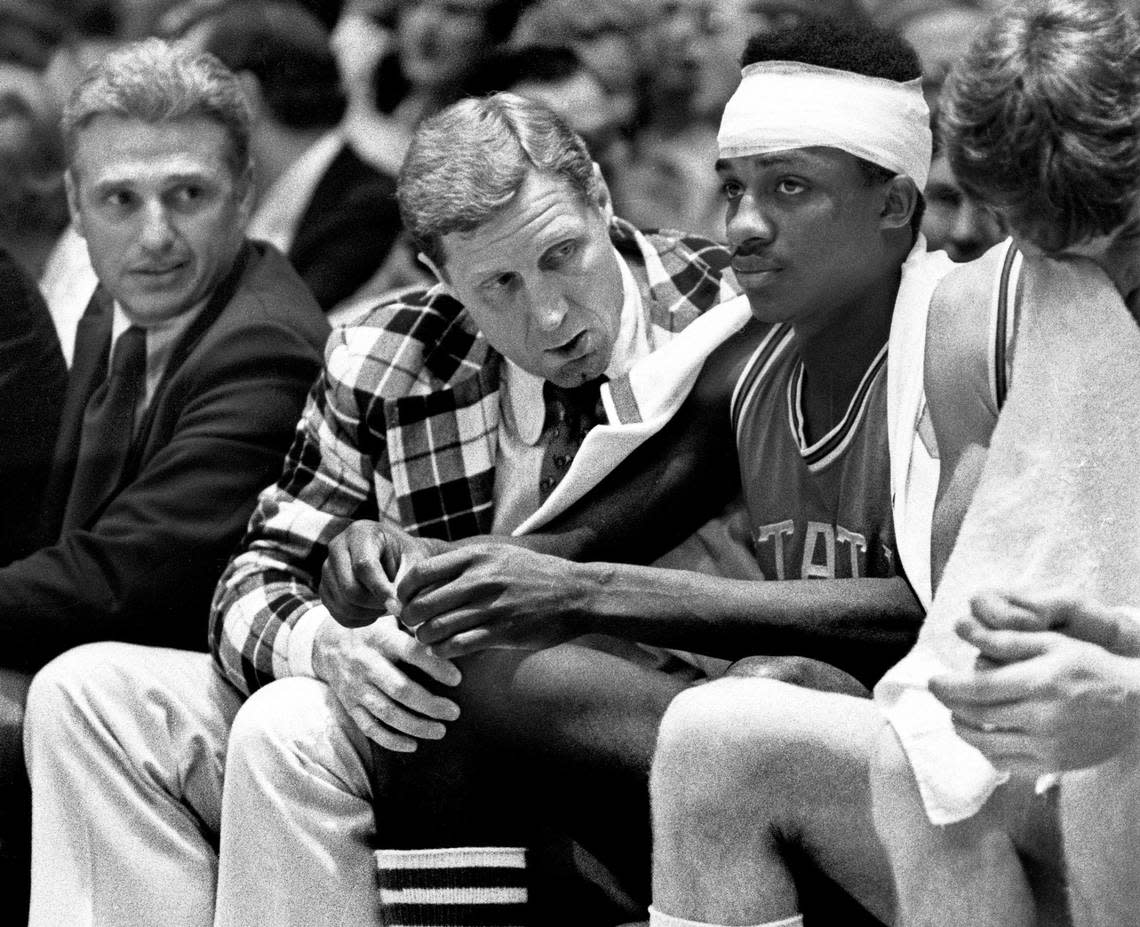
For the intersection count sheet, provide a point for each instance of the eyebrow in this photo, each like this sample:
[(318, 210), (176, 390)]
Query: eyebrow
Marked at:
[(170, 179), (766, 159)]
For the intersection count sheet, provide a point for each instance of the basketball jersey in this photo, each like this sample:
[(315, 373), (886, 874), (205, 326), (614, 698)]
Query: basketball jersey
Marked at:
[(821, 510)]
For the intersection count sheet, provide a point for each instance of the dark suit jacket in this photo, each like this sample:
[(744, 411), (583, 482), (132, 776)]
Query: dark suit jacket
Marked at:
[(143, 565), (33, 379), (347, 229)]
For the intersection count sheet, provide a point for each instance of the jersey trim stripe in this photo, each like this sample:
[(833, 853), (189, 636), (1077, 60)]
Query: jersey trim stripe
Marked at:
[(1005, 322), (766, 353), (832, 444)]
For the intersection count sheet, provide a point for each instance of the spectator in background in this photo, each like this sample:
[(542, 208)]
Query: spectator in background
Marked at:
[(440, 47), (607, 37), (93, 30), (33, 378), (330, 213), (557, 76), (752, 16), (363, 35), (938, 30), (29, 34), (956, 222), (33, 205), (166, 437), (669, 182)]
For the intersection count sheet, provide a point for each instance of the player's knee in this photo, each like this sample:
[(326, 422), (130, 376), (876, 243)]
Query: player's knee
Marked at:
[(701, 760), (799, 671), (890, 770), (287, 717)]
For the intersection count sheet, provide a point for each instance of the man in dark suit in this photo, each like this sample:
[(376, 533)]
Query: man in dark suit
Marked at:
[(333, 215), (191, 365), (33, 377)]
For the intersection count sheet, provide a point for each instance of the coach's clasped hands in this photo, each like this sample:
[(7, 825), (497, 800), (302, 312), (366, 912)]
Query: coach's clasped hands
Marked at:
[(458, 597)]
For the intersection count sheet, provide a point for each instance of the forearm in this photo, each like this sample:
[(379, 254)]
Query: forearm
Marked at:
[(863, 626)]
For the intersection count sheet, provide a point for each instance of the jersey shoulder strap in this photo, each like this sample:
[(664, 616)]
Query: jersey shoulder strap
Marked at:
[(1007, 307)]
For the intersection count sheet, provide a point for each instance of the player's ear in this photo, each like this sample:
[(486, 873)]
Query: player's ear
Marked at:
[(900, 198)]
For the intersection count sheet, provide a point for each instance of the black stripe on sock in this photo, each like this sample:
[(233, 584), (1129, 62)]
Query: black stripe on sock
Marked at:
[(459, 877)]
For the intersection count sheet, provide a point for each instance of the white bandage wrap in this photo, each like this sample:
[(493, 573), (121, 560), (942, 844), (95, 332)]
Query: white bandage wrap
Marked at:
[(786, 104)]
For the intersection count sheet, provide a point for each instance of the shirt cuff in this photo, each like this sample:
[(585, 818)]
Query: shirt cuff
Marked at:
[(301, 639)]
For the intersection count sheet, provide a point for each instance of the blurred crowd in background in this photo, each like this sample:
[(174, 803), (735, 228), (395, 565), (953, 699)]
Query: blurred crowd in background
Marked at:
[(643, 81)]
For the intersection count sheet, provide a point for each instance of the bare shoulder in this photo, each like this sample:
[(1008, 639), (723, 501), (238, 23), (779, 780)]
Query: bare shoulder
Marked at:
[(960, 346)]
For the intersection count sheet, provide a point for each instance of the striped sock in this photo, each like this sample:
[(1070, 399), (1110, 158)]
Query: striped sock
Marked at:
[(457, 887)]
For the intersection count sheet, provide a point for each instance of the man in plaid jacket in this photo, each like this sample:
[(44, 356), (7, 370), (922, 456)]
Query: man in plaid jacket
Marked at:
[(430, 411)]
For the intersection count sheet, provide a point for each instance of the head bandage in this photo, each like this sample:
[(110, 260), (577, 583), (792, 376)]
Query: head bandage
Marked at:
[(786, 104)]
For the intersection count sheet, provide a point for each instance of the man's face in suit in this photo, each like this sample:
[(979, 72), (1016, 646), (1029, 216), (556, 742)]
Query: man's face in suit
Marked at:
[(161, 208)]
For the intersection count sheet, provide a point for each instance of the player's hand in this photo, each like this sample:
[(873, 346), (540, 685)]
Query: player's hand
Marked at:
[(366, 668), (1056, 685), (493, 594), (358, 580)]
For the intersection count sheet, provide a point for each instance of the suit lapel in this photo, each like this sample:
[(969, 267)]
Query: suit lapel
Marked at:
[(218, 301)]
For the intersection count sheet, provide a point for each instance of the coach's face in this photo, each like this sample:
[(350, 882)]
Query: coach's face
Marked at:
[(161, 208), (541, 280)]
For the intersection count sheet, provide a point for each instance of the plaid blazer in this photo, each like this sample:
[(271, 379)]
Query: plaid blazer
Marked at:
[(403, 422)]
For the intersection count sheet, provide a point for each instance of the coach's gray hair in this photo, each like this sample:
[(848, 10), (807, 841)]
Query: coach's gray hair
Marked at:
[(156, 81), (467, 162)]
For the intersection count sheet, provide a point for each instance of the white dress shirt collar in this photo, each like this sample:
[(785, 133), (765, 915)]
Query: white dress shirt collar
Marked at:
[(160, 341)]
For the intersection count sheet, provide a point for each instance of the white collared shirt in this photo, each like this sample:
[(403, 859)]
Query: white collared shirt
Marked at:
[(67, 283), (160, 341), (523, 413), (279, 213)]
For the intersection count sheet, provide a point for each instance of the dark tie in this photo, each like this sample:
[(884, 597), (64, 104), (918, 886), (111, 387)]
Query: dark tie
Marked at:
[(108, 426), (570, 413)]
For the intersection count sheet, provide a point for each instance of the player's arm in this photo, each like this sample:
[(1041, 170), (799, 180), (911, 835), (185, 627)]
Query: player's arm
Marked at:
[(959, 358), (669, 487), (493, 593)]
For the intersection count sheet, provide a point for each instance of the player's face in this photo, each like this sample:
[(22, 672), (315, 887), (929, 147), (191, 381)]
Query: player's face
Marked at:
[(542, 282), (954, 221), (1117, 252), (805, 230)]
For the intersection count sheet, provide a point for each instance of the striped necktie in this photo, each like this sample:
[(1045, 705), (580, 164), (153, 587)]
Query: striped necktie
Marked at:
[(570, 413)]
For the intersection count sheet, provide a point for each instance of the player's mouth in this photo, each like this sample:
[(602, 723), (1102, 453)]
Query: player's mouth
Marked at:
[(745, 264)]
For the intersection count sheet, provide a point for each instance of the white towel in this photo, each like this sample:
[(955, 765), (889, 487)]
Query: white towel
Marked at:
[(914, 470), (1057, 505)]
